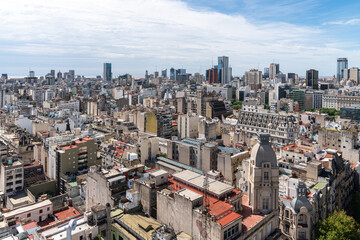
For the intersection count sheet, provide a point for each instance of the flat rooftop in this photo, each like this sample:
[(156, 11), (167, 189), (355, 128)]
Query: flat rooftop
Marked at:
[(196, 180), (189, 194), (27, 208)]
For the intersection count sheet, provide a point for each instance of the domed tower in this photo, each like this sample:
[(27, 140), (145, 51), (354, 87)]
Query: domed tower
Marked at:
[(263, 176)]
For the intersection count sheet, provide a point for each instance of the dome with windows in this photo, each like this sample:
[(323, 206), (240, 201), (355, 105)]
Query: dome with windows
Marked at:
[(262, 151)]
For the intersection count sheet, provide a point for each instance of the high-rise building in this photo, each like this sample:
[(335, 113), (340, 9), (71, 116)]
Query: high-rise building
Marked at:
[(52, 72), (156, 74), (224, 71), (354, 74), (253, 79), (291, 78), (59, 75), (32, 74), (312, 78), (342, 63), (172, 73), (4, 76), (107, 75), (71, 74), (274, 70), (212, 75), (266, 72), (164, 73)]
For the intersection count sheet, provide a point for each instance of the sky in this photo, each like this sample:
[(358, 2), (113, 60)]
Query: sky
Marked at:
[(139, 35)]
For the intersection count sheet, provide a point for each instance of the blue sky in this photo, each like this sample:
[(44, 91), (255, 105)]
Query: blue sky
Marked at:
[(135, 35)]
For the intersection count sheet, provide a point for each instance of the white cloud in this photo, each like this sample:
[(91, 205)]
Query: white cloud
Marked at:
[(163, 31), (354, 21)]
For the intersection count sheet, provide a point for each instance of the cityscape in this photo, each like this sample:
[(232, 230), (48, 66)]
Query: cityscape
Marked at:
[(113, 145)]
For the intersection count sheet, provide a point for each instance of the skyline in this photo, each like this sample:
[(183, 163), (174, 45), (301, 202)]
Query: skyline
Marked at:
[(144, 35)]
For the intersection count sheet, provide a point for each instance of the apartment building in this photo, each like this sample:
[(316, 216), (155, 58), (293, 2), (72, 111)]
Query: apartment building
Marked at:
[(12, 176)]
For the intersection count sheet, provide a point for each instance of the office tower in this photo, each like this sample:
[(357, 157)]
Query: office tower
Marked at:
[(52, 72), (107, 75), (354, 74), (312, 78), (266, 72), (212, 75), (164, 73), (4, 76), (253, 79), (147, 74), (32, 74), (274, 70), (156, 74), (342, 63), (291, 78), (71, 75), (59, 75), (172, 74), (224, 71)]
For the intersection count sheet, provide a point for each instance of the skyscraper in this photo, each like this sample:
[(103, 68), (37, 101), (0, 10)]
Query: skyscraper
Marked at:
[(172, 73), (107, 72), (164, 73), (312, 78), (274, 70), (266, 72), (212, 75), (224, 71), (342, 63)]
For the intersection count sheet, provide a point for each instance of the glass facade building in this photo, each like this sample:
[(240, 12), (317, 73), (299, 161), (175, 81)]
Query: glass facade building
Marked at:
[(342, 63), (107, 72)]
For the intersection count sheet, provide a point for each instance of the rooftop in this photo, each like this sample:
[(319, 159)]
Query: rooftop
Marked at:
[(138, 222), (196, 180), (222, 211)]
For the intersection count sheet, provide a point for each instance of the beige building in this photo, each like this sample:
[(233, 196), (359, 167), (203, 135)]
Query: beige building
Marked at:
[(188, 126), (12, 176), (103, 186), (33, 212), (297, 216), (354, 74)]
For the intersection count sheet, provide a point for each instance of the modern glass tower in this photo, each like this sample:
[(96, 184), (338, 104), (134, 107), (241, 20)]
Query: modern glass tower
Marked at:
[(342, 63), (107, 72), (224, 72), (312, 78)]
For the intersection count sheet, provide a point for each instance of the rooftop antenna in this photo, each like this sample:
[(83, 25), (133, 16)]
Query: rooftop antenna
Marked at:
[(205, 208)]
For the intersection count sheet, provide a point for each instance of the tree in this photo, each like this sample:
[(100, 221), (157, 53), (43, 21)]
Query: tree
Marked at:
[(338, 226)]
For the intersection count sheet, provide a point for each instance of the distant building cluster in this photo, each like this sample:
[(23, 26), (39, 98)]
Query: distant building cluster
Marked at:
[(176, 155)]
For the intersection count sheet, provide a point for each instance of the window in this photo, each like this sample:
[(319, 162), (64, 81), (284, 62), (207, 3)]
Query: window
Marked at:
[(48, 209), (266, 203), (40, 211), (287, 213), (266, 176), (287, 228), (29, 215)]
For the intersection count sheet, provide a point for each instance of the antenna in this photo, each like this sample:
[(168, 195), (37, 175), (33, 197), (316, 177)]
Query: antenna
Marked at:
[(205, 207)]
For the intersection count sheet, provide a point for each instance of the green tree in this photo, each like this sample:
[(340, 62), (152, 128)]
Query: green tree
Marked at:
[(266, 106), (338, 226)]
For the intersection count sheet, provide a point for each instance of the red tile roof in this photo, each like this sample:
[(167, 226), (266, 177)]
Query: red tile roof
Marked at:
[(249, 219), (222, 211), (29, 225), (67, 213)]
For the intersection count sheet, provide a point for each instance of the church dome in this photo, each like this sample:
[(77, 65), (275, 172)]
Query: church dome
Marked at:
[(263, 152)]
